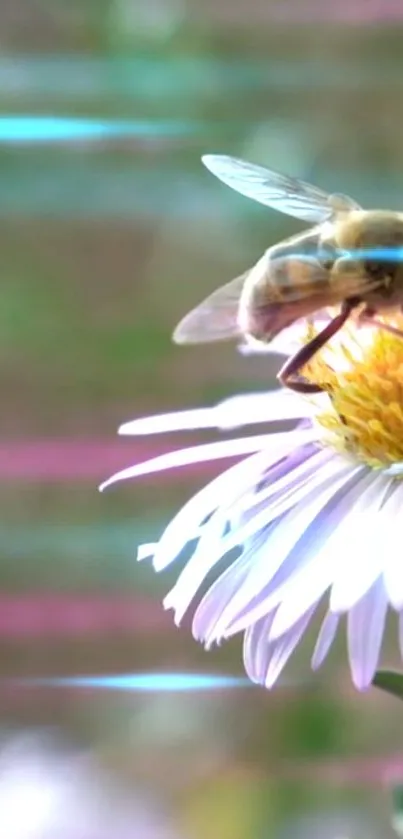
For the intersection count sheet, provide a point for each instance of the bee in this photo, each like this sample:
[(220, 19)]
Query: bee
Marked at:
[(349, 258)]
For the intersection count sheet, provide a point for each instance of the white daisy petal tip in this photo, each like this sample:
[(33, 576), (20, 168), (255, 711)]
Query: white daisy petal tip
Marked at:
[(166, 603), (123, 475), (170, 605), (365, 629), (324, 640), (146, 551), (271, 678), (109, 482), (184, 420), (361, 681)]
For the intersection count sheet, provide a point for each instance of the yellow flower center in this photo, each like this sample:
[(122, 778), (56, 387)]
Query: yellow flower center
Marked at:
[(364, 381)]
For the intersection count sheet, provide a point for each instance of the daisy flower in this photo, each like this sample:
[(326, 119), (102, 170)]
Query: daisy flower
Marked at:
[(310, 518)]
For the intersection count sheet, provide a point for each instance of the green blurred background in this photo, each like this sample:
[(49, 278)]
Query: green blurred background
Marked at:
[(105, 242)]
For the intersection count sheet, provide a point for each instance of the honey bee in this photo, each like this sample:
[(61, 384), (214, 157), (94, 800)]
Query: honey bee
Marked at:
[(350, 258)]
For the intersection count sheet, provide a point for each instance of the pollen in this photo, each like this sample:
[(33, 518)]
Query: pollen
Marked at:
[(362, 372)]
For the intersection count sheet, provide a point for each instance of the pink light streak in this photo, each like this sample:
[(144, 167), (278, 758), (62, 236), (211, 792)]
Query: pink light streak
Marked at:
[(308, 12), (351, 12), (69, 615), (59, 461)]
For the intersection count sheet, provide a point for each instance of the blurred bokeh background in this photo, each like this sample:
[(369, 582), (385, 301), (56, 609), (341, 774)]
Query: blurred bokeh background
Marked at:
[(110, 230)]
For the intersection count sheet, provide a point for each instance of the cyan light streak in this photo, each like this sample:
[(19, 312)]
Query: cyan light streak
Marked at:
[(389, 254), (53, 129), (375, 254), (142, 682)]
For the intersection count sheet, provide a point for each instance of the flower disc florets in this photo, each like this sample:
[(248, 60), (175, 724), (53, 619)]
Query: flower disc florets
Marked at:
[(362, 371)]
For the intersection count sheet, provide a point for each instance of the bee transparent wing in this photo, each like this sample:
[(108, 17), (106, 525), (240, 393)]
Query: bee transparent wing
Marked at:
[(285, 194), (215, 319), (341, 203)]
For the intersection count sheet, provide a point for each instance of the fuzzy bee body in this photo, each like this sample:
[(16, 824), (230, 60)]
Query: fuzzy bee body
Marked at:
[(350, 257), (363, 233)]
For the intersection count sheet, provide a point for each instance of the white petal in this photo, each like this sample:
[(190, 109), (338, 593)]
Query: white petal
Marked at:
[(256, 649), (208, 619), (263, 565), (325, 639), (282, 649), (393, 571), (253, 408), (323, 558), (203, 453), (307, 576), (211, 547), (291, 609), (287, 495), (365, 627), (205, 556), (243, 475), (193, 419), (296, 473), (241, 410), (360, 546), (190, 517), (146, 551), (210, 609)]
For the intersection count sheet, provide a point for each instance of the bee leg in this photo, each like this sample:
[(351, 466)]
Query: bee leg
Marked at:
[(367, 316), (288, 375)]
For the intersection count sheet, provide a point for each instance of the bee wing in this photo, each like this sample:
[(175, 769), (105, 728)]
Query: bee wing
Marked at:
[(288, 195), (215, 319), (341, 203)]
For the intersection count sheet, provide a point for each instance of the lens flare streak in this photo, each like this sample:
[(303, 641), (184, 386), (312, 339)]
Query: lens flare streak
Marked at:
[(53, 129), (141, 682)]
